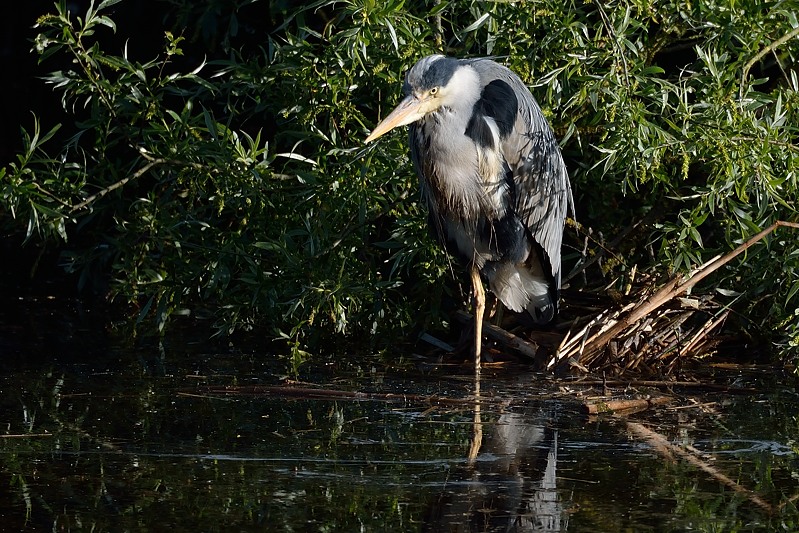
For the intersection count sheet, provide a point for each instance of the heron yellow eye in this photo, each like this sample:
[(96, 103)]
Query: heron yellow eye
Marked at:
[(433, 91)]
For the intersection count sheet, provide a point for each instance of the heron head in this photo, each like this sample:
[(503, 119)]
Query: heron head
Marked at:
[(429, 85)]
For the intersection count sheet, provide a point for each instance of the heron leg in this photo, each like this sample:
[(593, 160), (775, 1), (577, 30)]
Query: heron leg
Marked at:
[(479, 309)]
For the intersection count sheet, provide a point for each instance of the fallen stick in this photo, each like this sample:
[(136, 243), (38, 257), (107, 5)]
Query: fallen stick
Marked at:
[(506, 338), (595, 407), (664, 447)]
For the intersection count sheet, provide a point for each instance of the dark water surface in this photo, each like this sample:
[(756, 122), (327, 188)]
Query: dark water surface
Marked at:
[(98, 436)]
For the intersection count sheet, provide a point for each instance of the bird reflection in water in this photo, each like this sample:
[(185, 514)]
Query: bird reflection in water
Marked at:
[(511, 486)]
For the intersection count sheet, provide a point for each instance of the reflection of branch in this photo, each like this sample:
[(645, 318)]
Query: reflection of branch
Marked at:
[(69, 426), (289, 391), (665, 448)]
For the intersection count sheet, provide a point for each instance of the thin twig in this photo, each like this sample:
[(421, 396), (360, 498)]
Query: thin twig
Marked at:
[(438, 33), (49, 194), (615, 40), (153, 161), (118, 184), (762, 53), (650, 217)]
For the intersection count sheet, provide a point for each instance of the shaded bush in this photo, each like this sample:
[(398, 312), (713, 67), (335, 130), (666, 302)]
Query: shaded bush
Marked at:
[(238, 186)]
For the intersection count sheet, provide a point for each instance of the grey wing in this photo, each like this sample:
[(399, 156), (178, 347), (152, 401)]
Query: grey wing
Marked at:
[(543, 192)]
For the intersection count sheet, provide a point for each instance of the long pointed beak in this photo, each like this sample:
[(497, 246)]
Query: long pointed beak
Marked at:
[(409, 110)]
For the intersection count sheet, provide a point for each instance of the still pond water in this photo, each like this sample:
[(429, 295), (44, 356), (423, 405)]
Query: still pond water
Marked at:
[(190, 436)]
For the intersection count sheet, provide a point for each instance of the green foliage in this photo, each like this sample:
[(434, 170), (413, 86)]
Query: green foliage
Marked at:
[(240, 185)]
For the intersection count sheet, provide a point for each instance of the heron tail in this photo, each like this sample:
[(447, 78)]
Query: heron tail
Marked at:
[(519, 288)]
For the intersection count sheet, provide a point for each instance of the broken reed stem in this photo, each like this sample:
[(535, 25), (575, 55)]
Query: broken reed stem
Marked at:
[(709, 326), (675, 287)]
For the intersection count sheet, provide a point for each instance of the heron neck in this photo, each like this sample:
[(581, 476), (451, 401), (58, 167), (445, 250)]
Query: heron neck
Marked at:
[(465, 91)]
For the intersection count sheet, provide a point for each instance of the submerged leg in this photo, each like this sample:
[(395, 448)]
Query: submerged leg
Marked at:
[(479, 308)]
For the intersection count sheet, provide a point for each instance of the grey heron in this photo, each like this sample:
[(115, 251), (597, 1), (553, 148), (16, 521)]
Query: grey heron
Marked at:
[(492, 176)]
